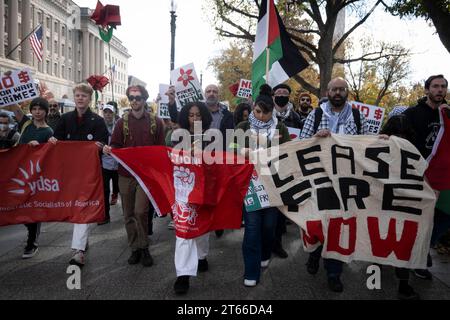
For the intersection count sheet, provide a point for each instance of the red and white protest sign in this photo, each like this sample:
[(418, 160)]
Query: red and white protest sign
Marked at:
[(374, 115), (245, 89), (201, 197), (61, 182), (17, 87), (187, 85)]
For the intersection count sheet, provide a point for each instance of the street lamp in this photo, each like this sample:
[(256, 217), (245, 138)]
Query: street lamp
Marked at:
[(173, 17)]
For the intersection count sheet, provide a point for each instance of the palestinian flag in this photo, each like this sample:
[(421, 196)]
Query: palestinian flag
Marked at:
[(438, 172), (273, 43)]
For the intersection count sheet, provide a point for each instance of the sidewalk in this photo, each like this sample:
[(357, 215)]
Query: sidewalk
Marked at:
[(107, 274)]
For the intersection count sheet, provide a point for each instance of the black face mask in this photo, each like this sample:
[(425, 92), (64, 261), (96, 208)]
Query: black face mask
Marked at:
[(281, 101)]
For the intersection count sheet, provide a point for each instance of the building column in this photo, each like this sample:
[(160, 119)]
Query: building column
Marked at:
[(2, 29), (13, 28), (85, 57), (26, 29), (102, 57), (91, 54)]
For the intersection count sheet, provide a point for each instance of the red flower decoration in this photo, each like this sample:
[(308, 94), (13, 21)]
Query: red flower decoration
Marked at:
[(185, 76), (98, 82), (234, 88), (108, 15)]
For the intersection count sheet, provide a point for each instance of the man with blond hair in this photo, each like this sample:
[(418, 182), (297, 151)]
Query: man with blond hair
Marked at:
[(81, 125)]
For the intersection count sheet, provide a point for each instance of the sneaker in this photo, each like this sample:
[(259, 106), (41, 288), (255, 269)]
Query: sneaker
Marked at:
[(181, 286), (202, 265), (280, 252), (114, 197), (250, 283), (423, 274), (406, 292), (146, 259), (335, 284), (30, 252), (312, 266), (219, 233), (78, 259), (265, 263), (171, 225), (135, 257)]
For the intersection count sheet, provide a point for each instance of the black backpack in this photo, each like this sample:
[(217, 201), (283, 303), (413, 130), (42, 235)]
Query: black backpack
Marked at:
[(318, 117)]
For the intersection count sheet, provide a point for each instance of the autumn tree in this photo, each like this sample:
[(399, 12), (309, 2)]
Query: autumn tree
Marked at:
[(311, 25), (438, 11), (373, 81)]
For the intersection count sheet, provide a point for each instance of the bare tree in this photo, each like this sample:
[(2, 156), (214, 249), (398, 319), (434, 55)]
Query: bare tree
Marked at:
[(311, 25)]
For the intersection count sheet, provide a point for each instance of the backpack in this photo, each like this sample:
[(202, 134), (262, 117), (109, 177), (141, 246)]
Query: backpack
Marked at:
[(126, 129), (318, 118)]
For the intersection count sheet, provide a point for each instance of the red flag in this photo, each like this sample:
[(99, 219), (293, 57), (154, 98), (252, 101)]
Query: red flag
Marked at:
[(200, 197), (438, 172), (61, 182)]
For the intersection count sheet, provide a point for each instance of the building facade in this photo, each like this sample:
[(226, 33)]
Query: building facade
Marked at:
[(72, 48)]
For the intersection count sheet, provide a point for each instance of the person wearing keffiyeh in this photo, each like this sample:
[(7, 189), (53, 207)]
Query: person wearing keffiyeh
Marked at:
[(260, 225)]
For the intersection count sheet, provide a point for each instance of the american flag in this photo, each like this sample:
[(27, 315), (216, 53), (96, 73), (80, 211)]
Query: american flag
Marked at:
[(36, 43)]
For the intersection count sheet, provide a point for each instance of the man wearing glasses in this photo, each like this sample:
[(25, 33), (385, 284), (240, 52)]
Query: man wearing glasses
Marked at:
[(333, 116), (53, 114), (304, 107), (136, 128)]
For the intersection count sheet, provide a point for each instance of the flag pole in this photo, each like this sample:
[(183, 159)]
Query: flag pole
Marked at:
[(15, 48), (110, 68), (267, 42)]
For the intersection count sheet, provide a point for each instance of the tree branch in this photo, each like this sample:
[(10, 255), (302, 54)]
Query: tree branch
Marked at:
[(345, 35), (306, 85), (315, 14), (305, 43), (228, 34), (234, 9)]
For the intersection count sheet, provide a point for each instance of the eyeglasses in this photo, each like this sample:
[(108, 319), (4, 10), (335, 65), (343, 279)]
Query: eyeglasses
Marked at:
[(53, 105), (338, 90), (305, 99), (137, 98)]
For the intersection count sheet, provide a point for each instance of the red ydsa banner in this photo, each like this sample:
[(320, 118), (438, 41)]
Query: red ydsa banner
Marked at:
[(201, 197), (49, 183)]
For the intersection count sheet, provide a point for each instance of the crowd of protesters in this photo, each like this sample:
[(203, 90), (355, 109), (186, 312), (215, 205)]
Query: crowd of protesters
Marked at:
[(272, 110)]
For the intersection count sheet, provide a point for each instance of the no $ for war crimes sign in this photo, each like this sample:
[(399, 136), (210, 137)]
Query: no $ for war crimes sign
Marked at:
[(17, 87), (362, 197), (374, 115)]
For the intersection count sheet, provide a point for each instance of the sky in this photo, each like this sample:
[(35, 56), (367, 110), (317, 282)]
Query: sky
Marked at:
[(145, 31)]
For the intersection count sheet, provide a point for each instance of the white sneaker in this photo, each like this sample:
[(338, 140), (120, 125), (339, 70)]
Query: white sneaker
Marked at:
[(78, 258), (265, 263), (249, 283)]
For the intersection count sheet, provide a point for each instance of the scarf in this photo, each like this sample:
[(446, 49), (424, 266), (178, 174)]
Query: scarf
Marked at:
[(263, 128), (283, 115), (337, 121)]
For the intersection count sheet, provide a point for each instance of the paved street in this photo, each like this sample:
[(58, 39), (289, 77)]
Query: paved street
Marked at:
[(108, 276)]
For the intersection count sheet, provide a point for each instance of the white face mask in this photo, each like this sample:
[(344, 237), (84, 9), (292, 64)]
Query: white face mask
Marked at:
[(4, 127)]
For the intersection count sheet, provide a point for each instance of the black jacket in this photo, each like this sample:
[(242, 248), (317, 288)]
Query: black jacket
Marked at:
[(293, 121), (92, 128)]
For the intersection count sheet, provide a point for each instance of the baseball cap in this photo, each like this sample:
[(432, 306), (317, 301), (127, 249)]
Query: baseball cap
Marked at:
[(108, 107)]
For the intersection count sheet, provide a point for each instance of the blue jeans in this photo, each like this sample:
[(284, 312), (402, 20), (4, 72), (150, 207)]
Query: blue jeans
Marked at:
[(259, 236), (333, 267)]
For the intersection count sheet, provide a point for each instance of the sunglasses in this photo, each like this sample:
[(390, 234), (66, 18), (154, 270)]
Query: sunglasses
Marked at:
[(137, 98), (305, 99)]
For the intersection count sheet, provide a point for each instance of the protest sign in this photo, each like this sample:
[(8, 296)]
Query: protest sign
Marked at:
[(294, 133), (61, 182), (362, 197), (163, 104), (374, 115), (256, 197), (187, 86), (245, 89), (17, 87)]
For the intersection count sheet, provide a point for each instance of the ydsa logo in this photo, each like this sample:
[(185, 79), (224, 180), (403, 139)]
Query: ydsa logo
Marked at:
[(34, 181)]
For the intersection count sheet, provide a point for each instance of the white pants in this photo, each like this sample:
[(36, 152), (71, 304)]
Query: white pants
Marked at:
[(188, 252), (80, 236)]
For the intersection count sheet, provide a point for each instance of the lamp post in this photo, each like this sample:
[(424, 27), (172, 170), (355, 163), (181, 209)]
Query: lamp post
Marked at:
[(173, 17)]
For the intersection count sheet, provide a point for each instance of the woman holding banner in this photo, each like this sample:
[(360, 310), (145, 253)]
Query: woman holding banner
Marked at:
[(259, 234), (190, 254)]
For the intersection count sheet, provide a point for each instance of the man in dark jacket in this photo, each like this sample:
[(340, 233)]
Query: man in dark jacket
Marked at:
[(81, 125), (424, 120)]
